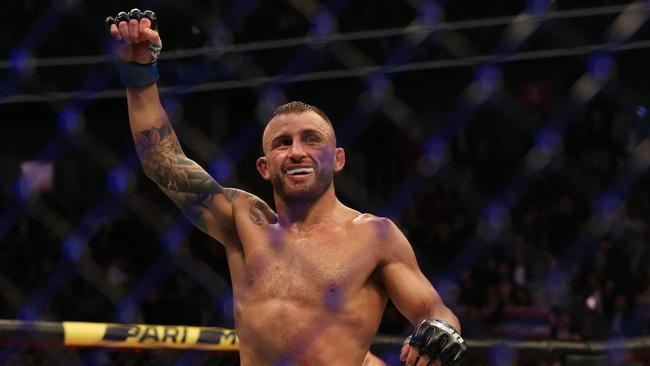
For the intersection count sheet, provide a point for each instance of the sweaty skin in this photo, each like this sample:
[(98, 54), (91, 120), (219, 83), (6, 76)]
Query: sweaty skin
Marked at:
[(310, 281)]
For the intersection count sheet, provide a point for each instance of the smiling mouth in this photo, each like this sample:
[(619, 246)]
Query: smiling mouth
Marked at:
[(300, 171)]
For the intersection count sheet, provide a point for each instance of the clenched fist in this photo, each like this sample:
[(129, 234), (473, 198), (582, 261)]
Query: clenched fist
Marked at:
[(139, 32)]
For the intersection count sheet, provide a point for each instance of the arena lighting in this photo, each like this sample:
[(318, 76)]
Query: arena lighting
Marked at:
[(19, 61), (322, 25), (488, 88), (72, 248), (69, 119), (221, 169), (119, 180)]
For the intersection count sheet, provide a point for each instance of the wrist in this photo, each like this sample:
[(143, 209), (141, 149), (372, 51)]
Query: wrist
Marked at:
[(137, 76), (445, 324)]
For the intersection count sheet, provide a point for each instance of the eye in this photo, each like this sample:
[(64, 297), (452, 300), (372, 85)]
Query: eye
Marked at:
[(312, 138), (282, 141)]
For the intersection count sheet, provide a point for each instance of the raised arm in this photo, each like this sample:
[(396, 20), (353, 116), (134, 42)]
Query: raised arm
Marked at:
[(201, 198), (436, 325)]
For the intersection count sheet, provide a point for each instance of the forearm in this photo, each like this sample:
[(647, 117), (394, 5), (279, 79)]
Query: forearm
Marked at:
[(429, 306), (161, 155), (145, 109), (442, 312), (155, 140)]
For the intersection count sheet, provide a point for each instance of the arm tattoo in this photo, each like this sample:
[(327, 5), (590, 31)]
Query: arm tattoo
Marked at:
[(260, 213), (230, 194), (164, 161), (255, 214), (183, 180)]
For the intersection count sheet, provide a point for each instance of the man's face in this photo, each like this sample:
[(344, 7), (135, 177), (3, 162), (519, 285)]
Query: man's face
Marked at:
[(300, 156)]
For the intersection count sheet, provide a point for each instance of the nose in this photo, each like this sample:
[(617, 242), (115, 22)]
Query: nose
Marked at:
[(297, 152)]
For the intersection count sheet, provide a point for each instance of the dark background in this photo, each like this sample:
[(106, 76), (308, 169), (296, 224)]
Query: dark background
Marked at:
[(511, 151)]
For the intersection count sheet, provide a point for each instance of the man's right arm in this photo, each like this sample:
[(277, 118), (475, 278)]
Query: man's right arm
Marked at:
[(201, 198)]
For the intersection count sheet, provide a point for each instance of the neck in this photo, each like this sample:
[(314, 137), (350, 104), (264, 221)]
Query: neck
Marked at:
[(307, 213)]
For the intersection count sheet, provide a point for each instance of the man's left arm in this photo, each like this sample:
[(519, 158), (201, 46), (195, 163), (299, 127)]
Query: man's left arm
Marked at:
[(437, 329)]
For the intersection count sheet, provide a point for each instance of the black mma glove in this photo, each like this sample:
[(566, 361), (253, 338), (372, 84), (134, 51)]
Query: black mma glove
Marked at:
[(439, 340), (135, 75), (137, 14)]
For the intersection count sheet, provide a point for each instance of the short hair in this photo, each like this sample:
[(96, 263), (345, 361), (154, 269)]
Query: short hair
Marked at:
[(300, 107)]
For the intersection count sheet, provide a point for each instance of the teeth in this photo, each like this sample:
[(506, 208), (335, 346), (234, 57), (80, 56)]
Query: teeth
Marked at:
[(300, 170)]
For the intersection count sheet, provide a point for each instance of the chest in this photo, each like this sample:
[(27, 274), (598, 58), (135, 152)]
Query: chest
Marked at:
[(322, 266)]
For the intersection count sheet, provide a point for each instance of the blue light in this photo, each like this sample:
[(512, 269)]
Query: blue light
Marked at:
[(502, 355), (72, 248), (22, 189), (641, 111), (284, 361), (428, 13), (377, 85), (435, 149), (391, 356), (19, 60), (118, 180), (487, 77), (547, 141), (616, 351), (271, 97), (221, 169), (126, 310), (172, 239), (322, 25), (68, 120), (556, 279), (333, 297), (224, 305), (496, 216), (607, 206), (600, 66), (113, 48), (171, 104), (538, 7), (28, 313)]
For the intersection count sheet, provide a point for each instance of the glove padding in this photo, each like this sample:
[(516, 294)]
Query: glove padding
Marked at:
[(439, 340), (137, 14)]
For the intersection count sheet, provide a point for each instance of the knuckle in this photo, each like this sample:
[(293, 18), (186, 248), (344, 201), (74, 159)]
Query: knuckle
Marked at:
[(135, 13), (109, 22), (122, 17)]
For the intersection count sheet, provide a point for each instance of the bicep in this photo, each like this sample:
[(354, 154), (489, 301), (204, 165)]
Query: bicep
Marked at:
[(411, 292), (209, 212), (200, 197)]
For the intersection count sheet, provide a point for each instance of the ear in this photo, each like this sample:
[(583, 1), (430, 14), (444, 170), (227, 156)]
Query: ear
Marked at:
[(263, 167), (339, 156)]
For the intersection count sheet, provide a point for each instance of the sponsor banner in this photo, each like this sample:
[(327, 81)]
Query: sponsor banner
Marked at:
[(149, 336)]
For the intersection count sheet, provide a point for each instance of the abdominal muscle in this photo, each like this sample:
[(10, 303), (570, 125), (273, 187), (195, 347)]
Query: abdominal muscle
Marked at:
[(284, 332)]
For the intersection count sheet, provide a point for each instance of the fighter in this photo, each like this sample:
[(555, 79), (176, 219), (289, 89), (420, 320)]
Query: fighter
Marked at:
[(312, 278)]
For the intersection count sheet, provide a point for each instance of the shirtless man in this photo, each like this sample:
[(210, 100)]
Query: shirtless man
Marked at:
[(311, 280)]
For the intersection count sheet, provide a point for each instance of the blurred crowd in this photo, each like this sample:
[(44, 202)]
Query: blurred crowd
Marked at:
[(548, 274), (544, 274), (560, 253)]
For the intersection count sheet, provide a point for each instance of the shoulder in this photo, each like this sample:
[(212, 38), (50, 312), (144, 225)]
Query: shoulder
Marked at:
[(238, 196), (370, 221), (381, 230), (386, 240), (247, 203)]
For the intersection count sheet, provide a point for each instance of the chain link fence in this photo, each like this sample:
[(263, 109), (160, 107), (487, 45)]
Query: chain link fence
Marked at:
[(508, 141), (35, 356)]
